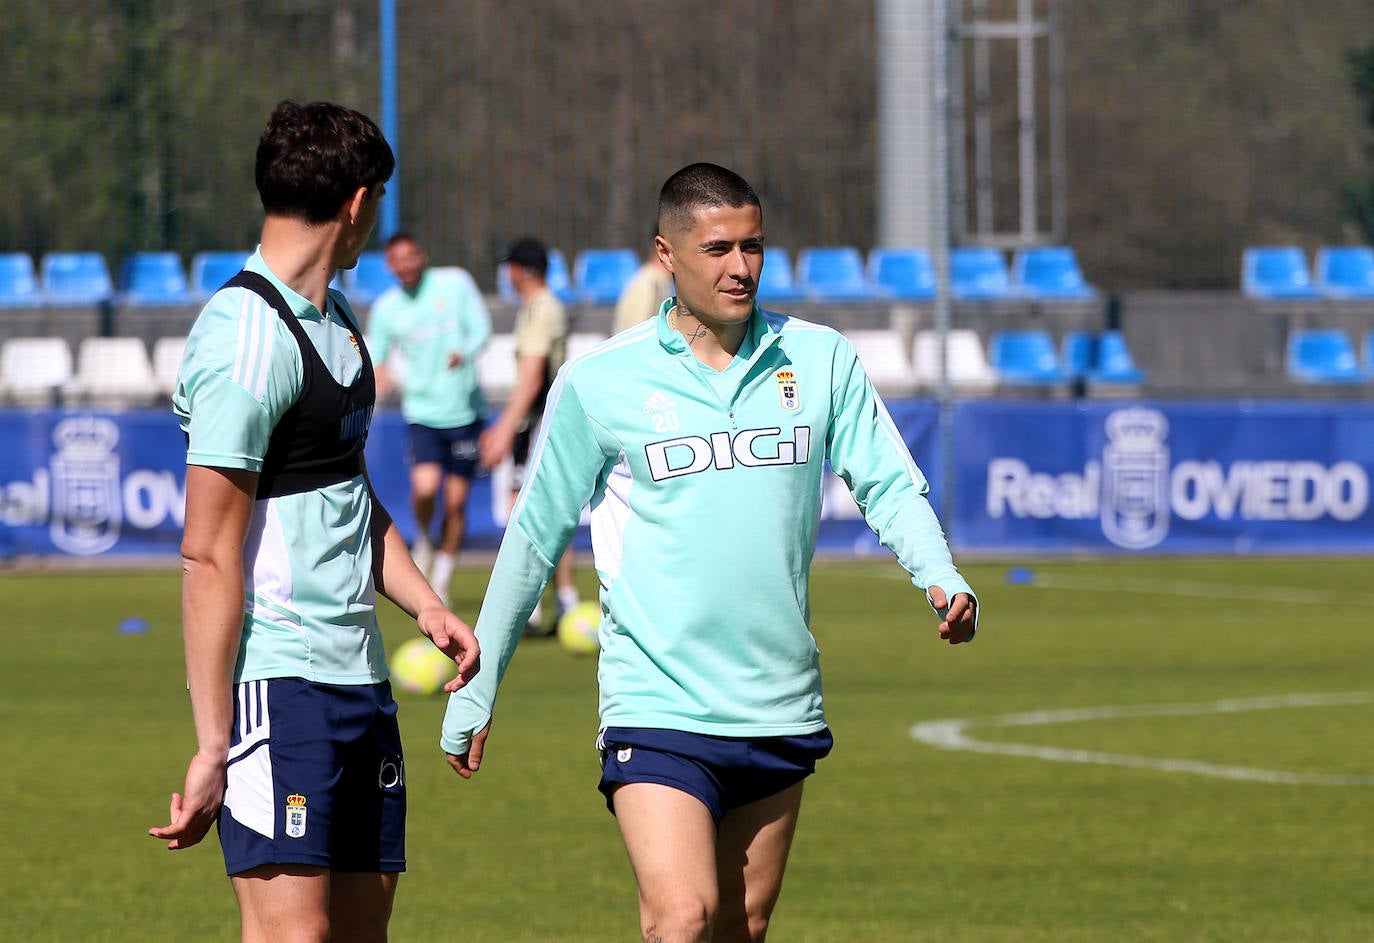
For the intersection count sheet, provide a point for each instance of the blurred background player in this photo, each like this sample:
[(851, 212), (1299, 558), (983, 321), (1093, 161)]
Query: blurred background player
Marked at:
[(298, 753), (437, 324), (643, 294), (541, 347)]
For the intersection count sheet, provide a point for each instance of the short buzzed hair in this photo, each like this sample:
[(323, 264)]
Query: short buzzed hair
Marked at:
[(701, 185)]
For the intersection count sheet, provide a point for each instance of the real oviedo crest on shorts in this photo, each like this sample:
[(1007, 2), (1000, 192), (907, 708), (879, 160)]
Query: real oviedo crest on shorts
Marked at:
[(787, 389), (295, 816)]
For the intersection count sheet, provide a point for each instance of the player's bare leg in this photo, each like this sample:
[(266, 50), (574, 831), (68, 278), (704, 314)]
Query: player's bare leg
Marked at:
[(671, 840), (283, 902), (452, 528), (565, 585), (360, 906), (424, 487), (752, 854), (455, 514)]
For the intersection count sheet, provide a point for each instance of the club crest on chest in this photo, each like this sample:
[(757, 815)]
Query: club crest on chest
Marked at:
[(787, 390)]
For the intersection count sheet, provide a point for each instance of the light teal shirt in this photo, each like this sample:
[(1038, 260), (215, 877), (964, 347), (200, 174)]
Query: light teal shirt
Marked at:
[(309, 600), (444, 316), (705, 503)]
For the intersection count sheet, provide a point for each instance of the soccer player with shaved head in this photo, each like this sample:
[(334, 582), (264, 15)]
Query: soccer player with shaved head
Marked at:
[(699, 439)]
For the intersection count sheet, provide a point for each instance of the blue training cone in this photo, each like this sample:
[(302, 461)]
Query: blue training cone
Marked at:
[(133, 625)]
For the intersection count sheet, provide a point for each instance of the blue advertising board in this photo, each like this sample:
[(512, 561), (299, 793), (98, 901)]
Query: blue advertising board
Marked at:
[(1053, 477), (84, 484), (1165, 477)]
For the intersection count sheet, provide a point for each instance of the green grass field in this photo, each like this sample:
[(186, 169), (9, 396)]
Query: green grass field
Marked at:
[(899, 840)]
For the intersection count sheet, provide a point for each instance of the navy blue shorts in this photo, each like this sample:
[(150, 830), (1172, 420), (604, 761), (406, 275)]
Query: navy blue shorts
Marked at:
[(723, 772), (316, 777), (454, 449)]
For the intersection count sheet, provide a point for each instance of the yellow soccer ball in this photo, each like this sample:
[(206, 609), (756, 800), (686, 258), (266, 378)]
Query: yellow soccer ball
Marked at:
[(417, 667), (577, 630)]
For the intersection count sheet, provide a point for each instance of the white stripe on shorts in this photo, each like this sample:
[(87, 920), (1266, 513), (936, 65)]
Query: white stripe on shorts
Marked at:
[(248, 794)]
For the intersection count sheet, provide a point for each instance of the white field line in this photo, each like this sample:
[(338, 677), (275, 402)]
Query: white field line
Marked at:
[(953, 735)]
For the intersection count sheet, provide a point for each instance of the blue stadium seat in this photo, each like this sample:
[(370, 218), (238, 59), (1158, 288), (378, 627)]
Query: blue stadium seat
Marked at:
[(1050, 272), (1345, 271), (365, 282), (75, 278), (979, 273), (1268, 272), (1100, 359), (901, 273), (155, 278), (1026, 358), (1367, 353), (559, 276), (1322, 355), (210, 270), (599, 275), (776, 281), (1078, 351), (832, 272), (1115, 364), (18, 280)]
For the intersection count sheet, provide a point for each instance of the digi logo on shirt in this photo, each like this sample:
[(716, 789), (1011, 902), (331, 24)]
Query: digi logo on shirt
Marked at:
[(748, 448)]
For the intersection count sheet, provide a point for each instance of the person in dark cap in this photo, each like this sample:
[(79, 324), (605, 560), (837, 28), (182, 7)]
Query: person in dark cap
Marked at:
[(541, 347), (528, 253)]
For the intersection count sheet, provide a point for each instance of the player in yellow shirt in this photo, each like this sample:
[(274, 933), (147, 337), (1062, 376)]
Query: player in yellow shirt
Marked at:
[(541, 347)]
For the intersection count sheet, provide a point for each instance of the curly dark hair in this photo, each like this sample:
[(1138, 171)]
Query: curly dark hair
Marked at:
[(312, 158)]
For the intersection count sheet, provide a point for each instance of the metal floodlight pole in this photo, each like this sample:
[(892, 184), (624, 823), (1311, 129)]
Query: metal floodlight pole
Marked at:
[(941, 226), (1038, 87), (390, 212), (915, 190), (1028, 30)]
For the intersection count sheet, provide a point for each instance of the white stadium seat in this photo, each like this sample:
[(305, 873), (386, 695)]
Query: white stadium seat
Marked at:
[(496, 367), (884, 358), (966, 361), (113, 371), (167, 353), (34, 370)]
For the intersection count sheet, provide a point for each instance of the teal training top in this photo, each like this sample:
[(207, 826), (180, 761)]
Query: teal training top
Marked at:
[(309, 600), (705, 501), (445, 315)]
